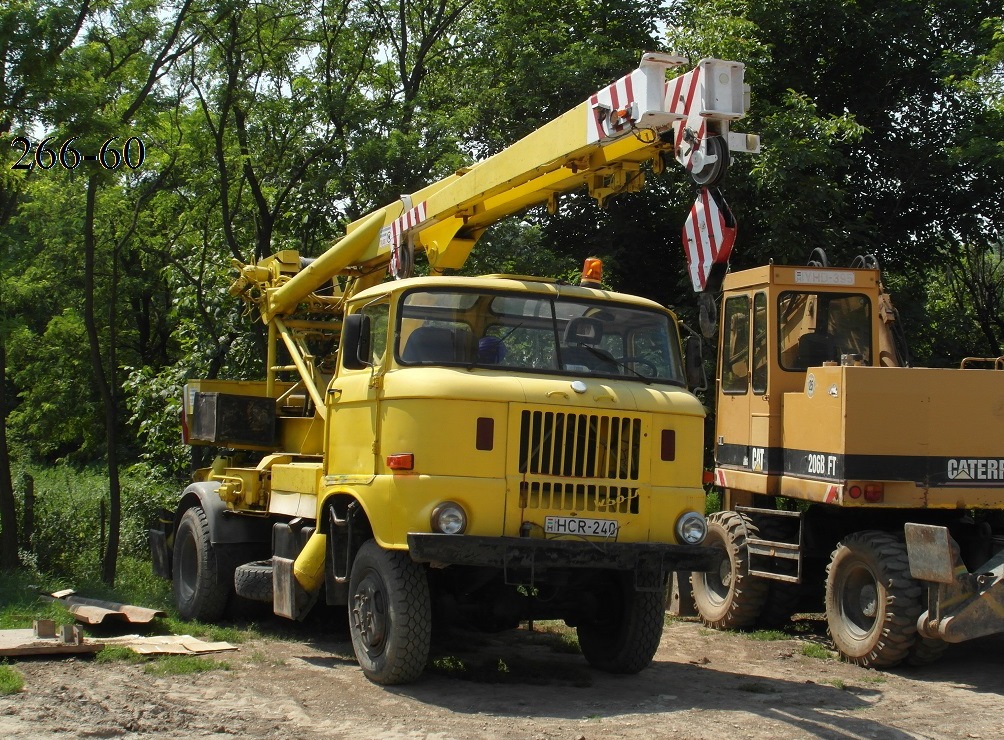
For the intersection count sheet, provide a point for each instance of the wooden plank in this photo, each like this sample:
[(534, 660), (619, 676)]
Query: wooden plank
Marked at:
[(24, 642)]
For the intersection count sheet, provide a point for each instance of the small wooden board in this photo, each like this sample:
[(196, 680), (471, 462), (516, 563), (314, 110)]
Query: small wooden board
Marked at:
[(24, 642)]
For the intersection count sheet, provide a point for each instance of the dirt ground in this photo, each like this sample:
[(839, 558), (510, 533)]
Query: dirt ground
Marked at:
[(703, 684)]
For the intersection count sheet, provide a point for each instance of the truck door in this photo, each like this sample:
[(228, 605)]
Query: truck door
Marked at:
[(354, 405)]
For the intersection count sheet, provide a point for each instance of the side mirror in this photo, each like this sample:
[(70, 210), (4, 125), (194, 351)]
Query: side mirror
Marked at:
[(355, 346), (696, 378)]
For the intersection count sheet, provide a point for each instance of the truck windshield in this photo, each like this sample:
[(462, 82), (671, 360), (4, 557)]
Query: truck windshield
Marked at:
[(541, 334)]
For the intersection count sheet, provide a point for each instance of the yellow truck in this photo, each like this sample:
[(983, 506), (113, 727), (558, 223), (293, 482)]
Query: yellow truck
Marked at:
[(485, 450), (842, 466)]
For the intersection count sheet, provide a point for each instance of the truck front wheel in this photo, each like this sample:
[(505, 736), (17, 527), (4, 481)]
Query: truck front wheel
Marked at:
[(625, 638), (202, 581), (390, 614), (872, 602)]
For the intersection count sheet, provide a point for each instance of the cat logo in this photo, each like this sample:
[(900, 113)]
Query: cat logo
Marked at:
[(976, 469)]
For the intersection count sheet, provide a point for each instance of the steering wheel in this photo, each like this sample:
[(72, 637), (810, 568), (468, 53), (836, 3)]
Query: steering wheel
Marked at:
[(630, 359)]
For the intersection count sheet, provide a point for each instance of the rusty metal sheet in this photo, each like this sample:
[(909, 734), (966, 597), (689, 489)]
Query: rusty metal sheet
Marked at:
[(930, 553), (96, 611)]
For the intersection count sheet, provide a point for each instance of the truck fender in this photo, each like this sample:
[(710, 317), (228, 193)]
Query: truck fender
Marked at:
[(226, 527)]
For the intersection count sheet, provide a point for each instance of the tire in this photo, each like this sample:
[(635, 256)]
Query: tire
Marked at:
[(625, 641), (872, 602), (926, 651), (730, 598), (390, 615), (203, 573), (254, 581)]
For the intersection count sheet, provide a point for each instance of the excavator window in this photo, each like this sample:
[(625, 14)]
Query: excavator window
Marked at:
[(760, 343), (736, 345), (816, 328)]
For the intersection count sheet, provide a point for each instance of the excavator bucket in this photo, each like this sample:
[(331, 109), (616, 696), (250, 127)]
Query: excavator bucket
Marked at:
[(708, 236)]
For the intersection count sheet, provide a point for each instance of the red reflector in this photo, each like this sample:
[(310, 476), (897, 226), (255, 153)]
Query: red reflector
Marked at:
[(708, 477), (873, 492), (402, 461), (854, 492), (484, 437), (668, 444)]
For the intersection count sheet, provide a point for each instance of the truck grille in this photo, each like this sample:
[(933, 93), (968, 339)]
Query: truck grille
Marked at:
[(556, 446)]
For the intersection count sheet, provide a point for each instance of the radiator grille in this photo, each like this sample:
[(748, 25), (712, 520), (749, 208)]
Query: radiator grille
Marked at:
[(570, 445), (572, 462)]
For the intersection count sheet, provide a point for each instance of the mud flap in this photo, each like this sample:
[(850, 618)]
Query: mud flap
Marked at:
[(289, 599), (930, 552), (160, 554)]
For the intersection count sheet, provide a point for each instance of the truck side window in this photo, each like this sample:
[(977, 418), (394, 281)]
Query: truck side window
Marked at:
[(760, 343), (378, 314), (736, 345)]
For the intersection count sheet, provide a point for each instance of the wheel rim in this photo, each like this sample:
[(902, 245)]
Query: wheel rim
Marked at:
[(859, 601), (720, 584), (369, 612), (188, 567)]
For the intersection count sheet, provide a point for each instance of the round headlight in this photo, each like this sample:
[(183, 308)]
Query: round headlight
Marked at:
[(691, 528), (449, 518)]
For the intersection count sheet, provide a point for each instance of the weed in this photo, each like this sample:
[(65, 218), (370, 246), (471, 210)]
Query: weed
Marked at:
[(11, 681), (114, 653), (767, 635), (184, 665), (261, 659), (757, 688), (874, 678), (837, 683), (705, 632), (812, 650)]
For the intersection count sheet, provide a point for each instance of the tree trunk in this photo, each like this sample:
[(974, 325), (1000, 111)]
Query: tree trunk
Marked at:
[(105, 381), (8, 507)]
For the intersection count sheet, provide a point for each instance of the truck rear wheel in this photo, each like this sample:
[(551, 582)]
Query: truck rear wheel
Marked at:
[(390, 614), (203, 579), (625, 641), (872, 602), (729, 598)]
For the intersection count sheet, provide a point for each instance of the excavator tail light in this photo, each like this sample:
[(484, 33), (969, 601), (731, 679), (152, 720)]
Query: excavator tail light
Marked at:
[(592, 273), (873, 492), (854, 492)]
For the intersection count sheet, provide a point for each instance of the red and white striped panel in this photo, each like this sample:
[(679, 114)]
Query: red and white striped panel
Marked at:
[(707, 239), (408, 220), (683, 96), (620, 94)]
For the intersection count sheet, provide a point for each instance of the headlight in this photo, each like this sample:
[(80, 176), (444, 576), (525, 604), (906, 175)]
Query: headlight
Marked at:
[(449, 518), (691, 528)]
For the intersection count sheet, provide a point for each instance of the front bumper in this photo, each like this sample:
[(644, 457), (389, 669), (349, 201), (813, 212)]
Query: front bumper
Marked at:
[(651, 562)]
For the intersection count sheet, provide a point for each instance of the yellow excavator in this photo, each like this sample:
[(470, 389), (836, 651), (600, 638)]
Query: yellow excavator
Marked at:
[(847, 471)]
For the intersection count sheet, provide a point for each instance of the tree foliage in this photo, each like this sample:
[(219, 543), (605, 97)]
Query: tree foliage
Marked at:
[(270, 125)]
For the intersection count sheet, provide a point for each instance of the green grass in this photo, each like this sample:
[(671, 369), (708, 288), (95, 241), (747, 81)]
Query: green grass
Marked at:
[(871, 678), (757, 688), (183, 665), (768, 635), (812, 650), (836, 683), (118, 653), (11, 681)]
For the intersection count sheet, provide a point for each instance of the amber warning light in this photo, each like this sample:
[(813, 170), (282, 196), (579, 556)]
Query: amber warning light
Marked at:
[(592, 273)]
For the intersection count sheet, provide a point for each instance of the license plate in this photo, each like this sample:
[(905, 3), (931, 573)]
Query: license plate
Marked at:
[(580, 526)]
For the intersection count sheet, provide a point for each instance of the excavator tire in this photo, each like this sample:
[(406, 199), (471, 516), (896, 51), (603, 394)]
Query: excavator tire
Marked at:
[(625, 638), (390, 614), (730, 598), (872, 602)]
